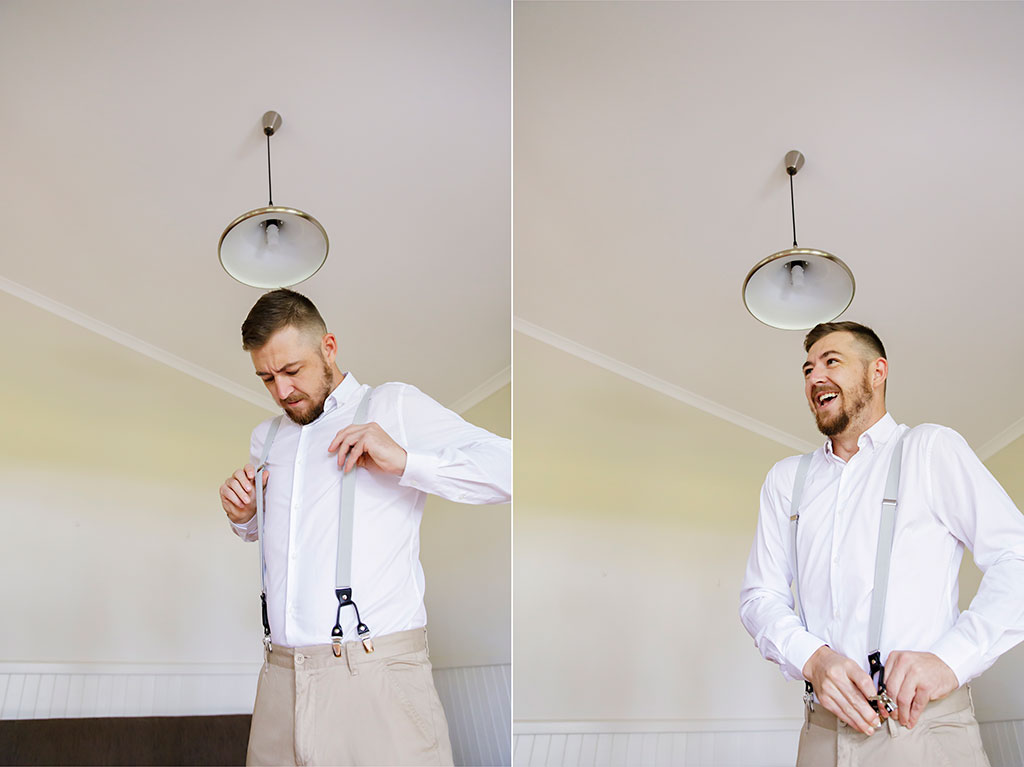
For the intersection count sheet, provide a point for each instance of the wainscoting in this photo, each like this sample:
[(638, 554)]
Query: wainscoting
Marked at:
[(477, 700), (701, 743)]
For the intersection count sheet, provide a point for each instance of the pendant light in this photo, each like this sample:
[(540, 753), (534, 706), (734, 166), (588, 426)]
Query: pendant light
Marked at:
[(273, 247), (797, 288)]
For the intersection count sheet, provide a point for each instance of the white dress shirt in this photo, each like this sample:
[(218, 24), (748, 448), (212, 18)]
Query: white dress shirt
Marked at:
[(446, 456), (947, 500)]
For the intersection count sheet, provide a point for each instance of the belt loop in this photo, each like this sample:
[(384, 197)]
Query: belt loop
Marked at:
[(353, 666), (426, 644), (970, 697)]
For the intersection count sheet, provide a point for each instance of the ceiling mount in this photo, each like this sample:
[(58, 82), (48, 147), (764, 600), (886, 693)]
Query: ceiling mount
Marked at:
[(273, 246), (271, 122), (797, 288)]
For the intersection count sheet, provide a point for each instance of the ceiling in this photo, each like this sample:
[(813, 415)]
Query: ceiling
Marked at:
[(649, 178), (131, 137)]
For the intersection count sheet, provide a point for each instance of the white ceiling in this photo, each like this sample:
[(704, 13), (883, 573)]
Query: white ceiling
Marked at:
[(649, 178), (130, 138)]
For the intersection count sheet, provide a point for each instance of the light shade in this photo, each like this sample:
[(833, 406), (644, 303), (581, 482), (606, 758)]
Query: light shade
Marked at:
[(273, 247), (795, 289)]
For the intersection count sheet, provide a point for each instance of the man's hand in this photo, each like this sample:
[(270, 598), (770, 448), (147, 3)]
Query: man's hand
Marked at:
[(236, 495), (843, 688), (914, 679), (367, 443)]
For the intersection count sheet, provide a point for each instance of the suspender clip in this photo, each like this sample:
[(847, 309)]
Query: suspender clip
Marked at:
[(364, 631), (266, 623), (875, 668), (336, 645)]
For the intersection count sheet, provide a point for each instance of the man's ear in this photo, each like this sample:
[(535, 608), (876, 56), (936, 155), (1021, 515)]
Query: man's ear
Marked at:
[(879, 373), (329, 347)]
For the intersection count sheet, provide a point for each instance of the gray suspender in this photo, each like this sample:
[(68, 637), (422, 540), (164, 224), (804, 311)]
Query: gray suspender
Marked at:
[(883, 555), (346, 517), (794, 518), (274, 426)]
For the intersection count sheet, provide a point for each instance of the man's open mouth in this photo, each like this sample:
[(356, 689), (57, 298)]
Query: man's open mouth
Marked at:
[(825, 397)]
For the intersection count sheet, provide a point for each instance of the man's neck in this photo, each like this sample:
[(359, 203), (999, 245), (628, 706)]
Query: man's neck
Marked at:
[(337, 377), (845, 445)]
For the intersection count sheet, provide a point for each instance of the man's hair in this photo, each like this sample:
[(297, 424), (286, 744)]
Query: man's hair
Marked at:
[(279, 309), (862, 333)]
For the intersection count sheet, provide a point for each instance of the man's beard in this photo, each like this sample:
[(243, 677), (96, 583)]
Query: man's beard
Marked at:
[(859, 399), (320, 397)]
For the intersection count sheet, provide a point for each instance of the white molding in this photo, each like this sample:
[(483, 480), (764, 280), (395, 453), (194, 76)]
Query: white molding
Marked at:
[(136, 669), (1004, 438), (660, 385), (135, 344), (483, 391), (619, 726)]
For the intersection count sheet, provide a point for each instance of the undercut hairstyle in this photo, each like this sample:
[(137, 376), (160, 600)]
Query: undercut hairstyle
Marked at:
[(865, 335), (279, 309)]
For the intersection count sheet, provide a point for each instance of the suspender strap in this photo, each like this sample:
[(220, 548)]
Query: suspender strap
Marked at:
[(274, 426), (883, 556), (794, 523), (346, 519), (794, 519)]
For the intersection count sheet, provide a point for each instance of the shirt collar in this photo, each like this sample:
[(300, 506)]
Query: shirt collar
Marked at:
[(342, 392), (879, 433)]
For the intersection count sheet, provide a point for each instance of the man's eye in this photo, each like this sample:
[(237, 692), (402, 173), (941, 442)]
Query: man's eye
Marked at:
[(829, 362)]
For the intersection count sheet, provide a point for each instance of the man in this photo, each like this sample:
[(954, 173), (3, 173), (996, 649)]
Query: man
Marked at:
[(324, 696), (946, 500)]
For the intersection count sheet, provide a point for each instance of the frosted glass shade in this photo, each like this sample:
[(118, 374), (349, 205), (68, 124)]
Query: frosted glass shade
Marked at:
[(796, 289), (273, 247)]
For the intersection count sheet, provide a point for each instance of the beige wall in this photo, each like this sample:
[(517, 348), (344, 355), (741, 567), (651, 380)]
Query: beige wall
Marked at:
[(114, 546), (634, 516)]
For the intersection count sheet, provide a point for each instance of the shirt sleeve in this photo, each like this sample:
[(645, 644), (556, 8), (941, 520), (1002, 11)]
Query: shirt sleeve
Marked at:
[(448, 456), (767, 607), (976, 509)]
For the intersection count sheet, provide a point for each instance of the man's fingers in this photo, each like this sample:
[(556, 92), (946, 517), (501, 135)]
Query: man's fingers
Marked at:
[(848, 711), (249, 471), (240, 491), (349, 431), (266, 476), (244, 481), (231, 497), (920, 701), (354, 453)]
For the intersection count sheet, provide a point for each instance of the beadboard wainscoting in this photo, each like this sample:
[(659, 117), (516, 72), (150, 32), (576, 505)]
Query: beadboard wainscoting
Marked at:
[(700, 743), (477, 699)]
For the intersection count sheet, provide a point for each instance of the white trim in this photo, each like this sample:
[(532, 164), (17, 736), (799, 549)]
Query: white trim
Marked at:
[(617, 726), (135, 344), (660, 385), (483, 391), (1008, 435), (134, 669)]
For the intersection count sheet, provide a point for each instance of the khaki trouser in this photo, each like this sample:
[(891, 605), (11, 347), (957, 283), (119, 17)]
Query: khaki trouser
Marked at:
[(377, 708), (946, 735)]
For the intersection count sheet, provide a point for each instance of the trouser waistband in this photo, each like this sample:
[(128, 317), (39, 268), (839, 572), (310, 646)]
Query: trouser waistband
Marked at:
[(958, 700), (353, 653)]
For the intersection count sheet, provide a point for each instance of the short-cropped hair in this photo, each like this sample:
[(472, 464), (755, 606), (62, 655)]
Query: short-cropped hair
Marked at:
[(279, 309), (863, 333)]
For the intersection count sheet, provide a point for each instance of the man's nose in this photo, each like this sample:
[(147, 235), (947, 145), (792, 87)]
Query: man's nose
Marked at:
[(283, 387)]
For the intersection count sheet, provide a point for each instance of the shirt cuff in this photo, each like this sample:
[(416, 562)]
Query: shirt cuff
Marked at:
[(801, 647), (957, 652), (420, 471), (246, 529)]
